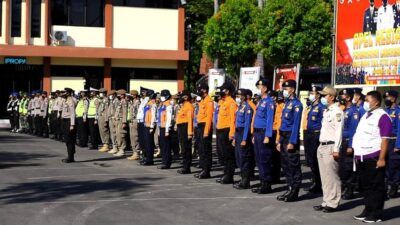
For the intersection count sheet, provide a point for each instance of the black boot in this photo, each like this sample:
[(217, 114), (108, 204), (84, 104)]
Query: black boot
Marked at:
[(283, 196), (293, 195), (265, 188), (204, 175), (348, 193), (226, 179), (244, 182), (392, 193)]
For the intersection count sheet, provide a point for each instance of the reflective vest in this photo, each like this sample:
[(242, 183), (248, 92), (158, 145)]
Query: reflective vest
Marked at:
[(21, 106), (92, 108), (80, 108)]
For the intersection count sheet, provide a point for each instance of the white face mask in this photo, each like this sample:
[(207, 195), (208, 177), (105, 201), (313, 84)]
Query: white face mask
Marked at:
[(367, 106), (286, 94), (312, 97), (324, 101), (238, 100), (172, 102), (102, 95), (162, 98), (258, 92), (198, 98), (110, 97)]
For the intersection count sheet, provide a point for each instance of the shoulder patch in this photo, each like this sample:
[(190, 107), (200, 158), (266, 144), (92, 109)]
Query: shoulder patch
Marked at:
[(339, 117), (297, 109), (356, 116), (249, 111)]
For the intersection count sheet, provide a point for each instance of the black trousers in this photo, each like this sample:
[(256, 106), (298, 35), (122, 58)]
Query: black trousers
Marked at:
[(290, 161), (205, 148), (372, 181), (228, 151), (149, 144), (165, 146), (30, 124), (59, 125), (94, 133), (186, 145), (311, 144), (141, 136), (45, 127), (346, 173), (16, 120), (38, 125), (82, 131), (174, 142), (53, 122), (275, 160), (69, 137)]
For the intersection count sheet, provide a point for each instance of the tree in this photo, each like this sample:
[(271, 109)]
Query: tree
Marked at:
[(197, 14), (296, 31), (230, 35)]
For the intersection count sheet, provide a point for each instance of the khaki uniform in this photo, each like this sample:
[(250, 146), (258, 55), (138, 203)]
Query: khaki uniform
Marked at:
[(120, 118), (330, 141), (111, 122), (133, 108), (103, 121)]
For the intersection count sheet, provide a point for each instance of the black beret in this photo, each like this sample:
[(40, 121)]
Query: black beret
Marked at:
[(347, 91), (69, 90), (165, 93), (316, 88), (262, 81), (289, 83), (357, 91), (44, 92), (186, 93), (241, 92), (392, 93), (249, 92)]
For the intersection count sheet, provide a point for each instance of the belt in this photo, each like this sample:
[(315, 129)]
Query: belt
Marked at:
[(312, 131), (327, 143), (259, 129), (368, 156)]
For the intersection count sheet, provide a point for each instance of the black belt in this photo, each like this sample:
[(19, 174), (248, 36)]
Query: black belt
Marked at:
[(327, 143), (312, 131), (259, 129)]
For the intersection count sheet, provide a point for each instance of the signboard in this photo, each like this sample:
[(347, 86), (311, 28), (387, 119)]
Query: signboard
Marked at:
[(15, 60), (216, 78), (286, 72), (248, 78), (367, 43)]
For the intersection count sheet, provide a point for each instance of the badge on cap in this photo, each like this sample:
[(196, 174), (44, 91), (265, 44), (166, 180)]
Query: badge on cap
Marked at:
[(259, 82), (345, 92), (314, 88), (387, 93), (286, 83)]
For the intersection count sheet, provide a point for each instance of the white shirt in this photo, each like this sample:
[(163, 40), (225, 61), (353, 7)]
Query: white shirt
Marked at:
[(385, 17), (332, 126)]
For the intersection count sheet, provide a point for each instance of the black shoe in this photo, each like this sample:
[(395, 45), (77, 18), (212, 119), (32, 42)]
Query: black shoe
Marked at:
[(361, 217), (68, 160), (328, 209), (392, 193), (163, 167), (283, 196), (370, 219), (318, 208), (242, 185), (264, 188), (292, 196), (183, 171), (147, 163), (225, 180), (204, 175)]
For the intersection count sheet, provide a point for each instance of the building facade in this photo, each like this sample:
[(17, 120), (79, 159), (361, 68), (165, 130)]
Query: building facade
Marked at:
[(50, 44)]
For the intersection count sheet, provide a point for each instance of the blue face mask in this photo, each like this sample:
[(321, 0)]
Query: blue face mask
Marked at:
[(324, 101)]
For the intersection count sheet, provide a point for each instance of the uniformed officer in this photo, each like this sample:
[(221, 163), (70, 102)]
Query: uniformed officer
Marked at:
[(174, 129), (358, 100), (59, 102), (111, 120), (195, 126), (184, 122), (204, 129), (30, 113), (23, 110), (328, 151), (276, 168), (121, 126), (144, 98), (226, 131), (149, 125), (93, 119), (103, 120), (68, 123), (217, 103), (52, 115), (351, 119), (133, 108), (81, 112), (312, 128), (242, 142), (164, 123), (393, 168), (396, 13), (289, 143), (38, 103), (253, 107), (262, 127), (44, 115), (370, 18)]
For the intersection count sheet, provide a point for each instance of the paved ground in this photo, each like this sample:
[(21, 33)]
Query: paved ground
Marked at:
[(36, 189)]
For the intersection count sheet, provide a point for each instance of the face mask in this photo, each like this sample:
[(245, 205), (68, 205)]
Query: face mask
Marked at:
[(388, 103), (198, 98), (102, 95), (324, 101), (354, 101), (163, 99), (286, 94), (238, 100), (110, 97), (312, 97), (366, 106), (172, 102), (258, 92)]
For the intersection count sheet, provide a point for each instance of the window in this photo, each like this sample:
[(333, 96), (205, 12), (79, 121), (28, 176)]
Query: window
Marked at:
[(16, 18), (169, 4), (88, 13), (36, 18)]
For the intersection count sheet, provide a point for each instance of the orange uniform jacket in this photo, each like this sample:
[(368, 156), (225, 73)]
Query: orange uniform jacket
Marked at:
[(206, 113), (227, 115), (185, 115), (278, 119), (150, 117)]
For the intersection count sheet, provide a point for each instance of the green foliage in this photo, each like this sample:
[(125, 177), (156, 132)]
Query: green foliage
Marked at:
[(295, 31), (231, 37)]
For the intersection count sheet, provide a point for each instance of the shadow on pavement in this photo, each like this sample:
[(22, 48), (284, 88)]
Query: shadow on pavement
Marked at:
[(16, 159), (45, 191)]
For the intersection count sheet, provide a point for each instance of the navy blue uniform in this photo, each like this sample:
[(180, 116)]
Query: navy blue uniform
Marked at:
[(289, 131), (350, 123), (311, 139), (393, 169), (361, 109), (244, 115), (263, 121)]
